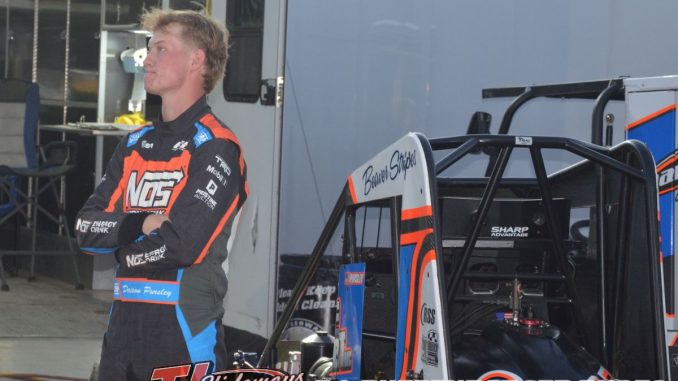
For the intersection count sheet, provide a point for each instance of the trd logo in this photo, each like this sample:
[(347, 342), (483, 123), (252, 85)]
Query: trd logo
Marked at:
[(153, 190), (223, 165), (428, 315)]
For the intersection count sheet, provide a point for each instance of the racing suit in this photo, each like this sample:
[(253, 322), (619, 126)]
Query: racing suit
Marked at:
[(169, 284)]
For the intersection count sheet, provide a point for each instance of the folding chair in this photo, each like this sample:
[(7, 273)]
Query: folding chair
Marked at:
[(23, 161)]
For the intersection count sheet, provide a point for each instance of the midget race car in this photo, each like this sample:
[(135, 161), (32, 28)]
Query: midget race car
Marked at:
[(545, 275)]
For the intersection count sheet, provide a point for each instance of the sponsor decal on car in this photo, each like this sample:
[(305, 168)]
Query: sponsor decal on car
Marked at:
[(399, 164), (203, 371), (509, 231)]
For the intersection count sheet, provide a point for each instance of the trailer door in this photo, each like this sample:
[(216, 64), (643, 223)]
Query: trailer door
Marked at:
[(249, 101)]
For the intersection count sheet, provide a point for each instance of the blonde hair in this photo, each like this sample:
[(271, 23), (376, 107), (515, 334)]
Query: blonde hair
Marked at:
[(199, 30)]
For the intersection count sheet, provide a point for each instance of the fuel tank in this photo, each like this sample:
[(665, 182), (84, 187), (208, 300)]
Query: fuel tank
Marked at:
[(528, 348)]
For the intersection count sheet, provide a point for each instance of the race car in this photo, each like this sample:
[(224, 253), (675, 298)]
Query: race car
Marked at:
[(547, 274)]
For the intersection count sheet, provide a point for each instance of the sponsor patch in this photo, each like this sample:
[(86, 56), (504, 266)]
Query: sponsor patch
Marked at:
[(102, 227), (180, 145), (211, 187), (429, 348), (354, 278), (223, 165), (203, 135), (128, 290), (152, 189), (217, 174), (206, 198), (428, 315), (151, 185), (82, 225), (135, 136), (148, 257)]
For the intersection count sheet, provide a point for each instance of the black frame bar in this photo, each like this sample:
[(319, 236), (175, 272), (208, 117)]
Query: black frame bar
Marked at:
[(602, 91), (267, 359)]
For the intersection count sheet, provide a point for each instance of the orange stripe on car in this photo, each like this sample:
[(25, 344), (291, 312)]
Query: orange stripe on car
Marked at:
[(423, 211), (410, 307), (665, 191), (416, 238), (497, 375), (675, 339), (648, 118), (430, 256), (667, 162), (351, 190)]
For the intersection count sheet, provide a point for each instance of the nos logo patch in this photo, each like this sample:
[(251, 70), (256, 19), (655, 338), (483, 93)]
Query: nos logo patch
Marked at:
[(152, 189), (153, 185)]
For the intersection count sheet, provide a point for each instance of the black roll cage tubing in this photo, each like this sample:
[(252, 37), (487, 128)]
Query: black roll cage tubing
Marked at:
[(602, 91), (596, 154)]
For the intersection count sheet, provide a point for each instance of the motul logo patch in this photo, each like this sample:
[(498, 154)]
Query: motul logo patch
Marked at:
[(153, 190)]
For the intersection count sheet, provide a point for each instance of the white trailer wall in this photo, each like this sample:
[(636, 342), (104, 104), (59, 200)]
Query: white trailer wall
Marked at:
[(360, 74)]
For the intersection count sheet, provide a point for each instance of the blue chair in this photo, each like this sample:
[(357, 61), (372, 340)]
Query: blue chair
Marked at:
[(22, 161)]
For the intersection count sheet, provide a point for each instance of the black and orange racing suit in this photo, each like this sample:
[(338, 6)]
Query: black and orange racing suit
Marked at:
[(169, 285)]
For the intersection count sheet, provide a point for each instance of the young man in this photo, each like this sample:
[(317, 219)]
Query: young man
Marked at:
[(167, 209)]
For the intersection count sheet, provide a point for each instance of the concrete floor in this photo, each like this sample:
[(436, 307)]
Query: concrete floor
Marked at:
[(49, 328)]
